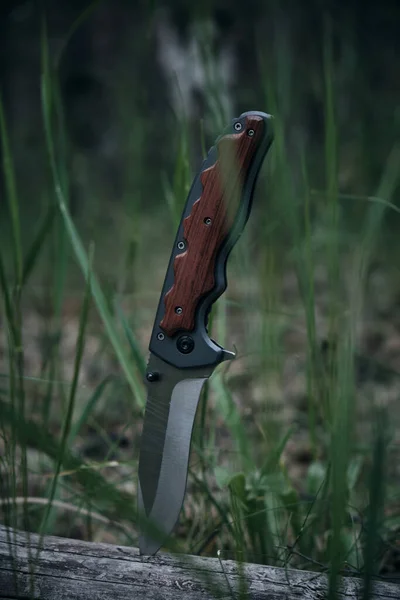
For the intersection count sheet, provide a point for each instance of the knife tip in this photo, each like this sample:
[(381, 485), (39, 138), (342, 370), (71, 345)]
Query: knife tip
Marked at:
[(148, 546)]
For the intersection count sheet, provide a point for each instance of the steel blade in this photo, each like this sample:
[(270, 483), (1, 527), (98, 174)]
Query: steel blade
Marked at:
[(165, 448)]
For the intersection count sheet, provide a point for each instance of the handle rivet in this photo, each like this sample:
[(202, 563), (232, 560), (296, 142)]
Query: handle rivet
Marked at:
[(160, 336), (152, 376), (185, 344), (238, 126), (181, 245), (250, 132), (178, 310), (207, 221)]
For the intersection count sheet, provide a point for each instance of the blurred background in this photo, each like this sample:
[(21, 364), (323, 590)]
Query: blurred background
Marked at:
[(107, 111), (131, 73)]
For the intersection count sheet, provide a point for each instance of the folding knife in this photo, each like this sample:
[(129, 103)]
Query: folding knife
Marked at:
[(182, 355)]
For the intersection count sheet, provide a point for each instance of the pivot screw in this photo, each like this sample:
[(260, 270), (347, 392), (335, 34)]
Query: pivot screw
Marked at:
[(207, 221), (178, 310), (181, 245), (238, 126), (250, 132), (152, 376), (160, 336), (185, 344)]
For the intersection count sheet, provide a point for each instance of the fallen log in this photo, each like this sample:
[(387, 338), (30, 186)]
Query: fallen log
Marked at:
[(67, 569)]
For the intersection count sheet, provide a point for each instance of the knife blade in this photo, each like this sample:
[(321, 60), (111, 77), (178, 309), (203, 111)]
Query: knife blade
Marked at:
[(182, 355)]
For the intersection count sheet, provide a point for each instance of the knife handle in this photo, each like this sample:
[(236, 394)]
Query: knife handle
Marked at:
[(209, 224), (215, 214)]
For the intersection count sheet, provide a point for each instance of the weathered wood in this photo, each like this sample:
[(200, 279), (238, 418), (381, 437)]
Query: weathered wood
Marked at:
[(73, 570)]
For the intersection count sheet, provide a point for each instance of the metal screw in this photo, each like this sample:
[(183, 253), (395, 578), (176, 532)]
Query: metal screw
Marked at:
[(160, 336), (181, 245), (207, 221), (178, 310), (250, 132), (185, 344), (238, 126), (152, 376)]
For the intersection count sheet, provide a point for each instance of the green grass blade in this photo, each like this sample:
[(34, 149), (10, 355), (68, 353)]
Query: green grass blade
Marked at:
[(273, 459), (376, 503), (340, 452), (74, 27), (137, 355), (12, 196), (10, 455), (8, 305), (231, 416), (37, 244), (384, 193), (71, 403), (89, 407), (331, 165), (60, 240)]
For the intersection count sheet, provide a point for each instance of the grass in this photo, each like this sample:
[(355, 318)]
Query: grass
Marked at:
[(339, 515)]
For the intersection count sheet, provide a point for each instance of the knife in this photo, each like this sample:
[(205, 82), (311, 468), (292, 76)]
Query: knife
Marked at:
[(182, 355)]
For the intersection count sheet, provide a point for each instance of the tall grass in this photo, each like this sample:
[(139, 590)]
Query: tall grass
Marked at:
[(332, 519)]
